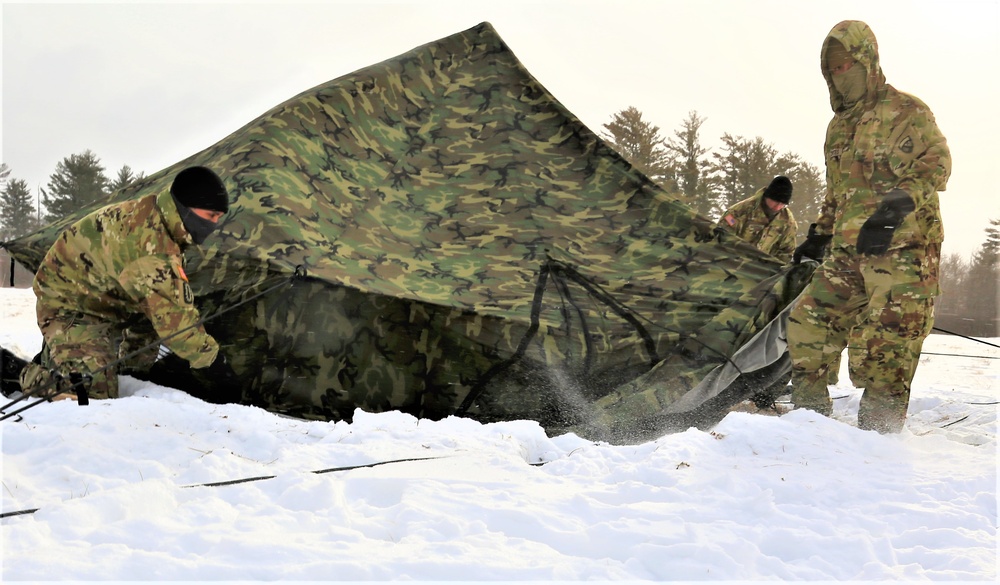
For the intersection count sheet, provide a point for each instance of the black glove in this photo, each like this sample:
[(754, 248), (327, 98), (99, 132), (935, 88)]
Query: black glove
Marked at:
[(876, 233), (221, 379), (814, 247)]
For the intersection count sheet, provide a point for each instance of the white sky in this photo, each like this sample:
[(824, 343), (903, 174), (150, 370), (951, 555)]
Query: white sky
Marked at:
[(149, 84)]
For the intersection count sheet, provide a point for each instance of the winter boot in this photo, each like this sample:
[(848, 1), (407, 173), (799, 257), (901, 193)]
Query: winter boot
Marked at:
[(10, 372)]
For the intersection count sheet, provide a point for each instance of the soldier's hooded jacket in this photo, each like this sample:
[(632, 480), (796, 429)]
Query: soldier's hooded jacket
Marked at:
[(887, 139), (121, 260), (772, 235)]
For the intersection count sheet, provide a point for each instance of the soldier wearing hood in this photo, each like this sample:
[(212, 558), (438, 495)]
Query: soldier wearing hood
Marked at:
[(114, 282), (886, 160)]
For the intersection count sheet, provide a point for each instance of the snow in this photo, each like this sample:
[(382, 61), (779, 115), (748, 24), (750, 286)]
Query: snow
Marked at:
[(118, 488)]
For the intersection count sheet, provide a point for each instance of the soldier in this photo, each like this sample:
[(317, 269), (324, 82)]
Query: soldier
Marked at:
[(114, 281), (764, 219), (886, 160)]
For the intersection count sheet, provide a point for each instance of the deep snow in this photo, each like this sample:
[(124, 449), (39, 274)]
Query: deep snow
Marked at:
[(795, 497)]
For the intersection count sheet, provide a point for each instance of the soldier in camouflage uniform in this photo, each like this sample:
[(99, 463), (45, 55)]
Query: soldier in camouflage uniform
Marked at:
[(764, 219), (886, 160), (113, 282)]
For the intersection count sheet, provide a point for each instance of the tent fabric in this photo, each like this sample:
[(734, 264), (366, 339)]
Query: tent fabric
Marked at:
[(470, 248)]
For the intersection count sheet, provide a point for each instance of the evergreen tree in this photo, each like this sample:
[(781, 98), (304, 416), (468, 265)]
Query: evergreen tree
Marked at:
[(640, 143), (124, 179), (983, 285), (691, 162), (17, 210), (79, 181), (949, 308), (808, 190), (741, 168), (4, 173)]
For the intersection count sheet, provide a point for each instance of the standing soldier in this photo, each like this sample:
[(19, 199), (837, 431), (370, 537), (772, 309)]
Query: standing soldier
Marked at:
[(114, 281), (764, 219), (886, 160)]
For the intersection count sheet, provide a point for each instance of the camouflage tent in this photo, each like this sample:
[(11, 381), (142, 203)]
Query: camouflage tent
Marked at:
[(469, 248)]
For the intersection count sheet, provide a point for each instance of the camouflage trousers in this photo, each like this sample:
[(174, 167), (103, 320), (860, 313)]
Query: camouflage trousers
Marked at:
[(76, 343), (856, 351), (890, 301)]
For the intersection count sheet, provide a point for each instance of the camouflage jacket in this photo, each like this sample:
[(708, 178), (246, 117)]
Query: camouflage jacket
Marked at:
[(887, 140), (775, 236), (125, 259)]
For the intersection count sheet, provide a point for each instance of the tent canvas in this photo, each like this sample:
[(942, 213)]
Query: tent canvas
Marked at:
[(469, 248)]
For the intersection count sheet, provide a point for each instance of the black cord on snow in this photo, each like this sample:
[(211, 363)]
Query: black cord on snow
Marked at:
[(264, 477), (966, 337), (955, 421), (982, 357), (50, 389)]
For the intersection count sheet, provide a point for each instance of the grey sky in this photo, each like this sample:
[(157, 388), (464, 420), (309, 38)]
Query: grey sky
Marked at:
[(150, 84)]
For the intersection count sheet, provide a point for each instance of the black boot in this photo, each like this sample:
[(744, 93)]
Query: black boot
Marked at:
[(10, 372)]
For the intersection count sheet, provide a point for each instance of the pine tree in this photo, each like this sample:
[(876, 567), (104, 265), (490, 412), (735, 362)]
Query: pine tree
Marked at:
[(640, 143), (17, 210), (808, 190), (743, 167), (124, 179), (950, 307), (691, 162), (78, 182), (983, 285)]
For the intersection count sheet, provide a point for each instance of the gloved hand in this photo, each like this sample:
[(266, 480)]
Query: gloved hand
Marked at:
[(876, 233), (219, 381), (221, 373), (814, 247)]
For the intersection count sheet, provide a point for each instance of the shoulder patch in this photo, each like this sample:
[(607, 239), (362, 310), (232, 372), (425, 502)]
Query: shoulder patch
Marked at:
[(188, 294), (730, 220), (906, 145)]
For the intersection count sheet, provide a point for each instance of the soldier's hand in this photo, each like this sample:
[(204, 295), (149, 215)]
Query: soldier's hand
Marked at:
[(813, 248), (876, 233), (221, 376)]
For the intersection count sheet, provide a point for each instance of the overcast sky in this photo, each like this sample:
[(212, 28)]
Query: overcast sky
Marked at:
[(148, 84)]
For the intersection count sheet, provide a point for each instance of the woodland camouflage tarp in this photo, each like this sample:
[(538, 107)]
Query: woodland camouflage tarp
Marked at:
[(470, 248)]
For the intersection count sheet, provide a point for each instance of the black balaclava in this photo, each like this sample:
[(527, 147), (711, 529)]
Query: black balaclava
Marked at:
[(199, 188)]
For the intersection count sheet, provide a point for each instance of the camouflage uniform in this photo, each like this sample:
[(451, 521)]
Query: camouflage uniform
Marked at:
[(774, 236), (887, 140), (112, 283)]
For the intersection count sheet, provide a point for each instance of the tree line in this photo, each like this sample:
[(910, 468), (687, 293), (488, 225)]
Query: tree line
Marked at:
[(708, 180), (78, 181)]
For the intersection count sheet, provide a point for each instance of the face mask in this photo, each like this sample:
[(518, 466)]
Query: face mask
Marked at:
[(851, 84), (199, 227)]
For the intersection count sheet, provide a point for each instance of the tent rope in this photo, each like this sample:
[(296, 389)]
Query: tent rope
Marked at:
[(265, 477), (966, 337), (536, 309), (50, 389)]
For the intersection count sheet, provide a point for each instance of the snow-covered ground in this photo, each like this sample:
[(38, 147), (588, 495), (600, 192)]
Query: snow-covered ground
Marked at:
[(117, 488)]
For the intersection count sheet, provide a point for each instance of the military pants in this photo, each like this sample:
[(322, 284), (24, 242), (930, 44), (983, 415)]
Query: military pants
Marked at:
[(76, 343), (892, 297), (856, 351)]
